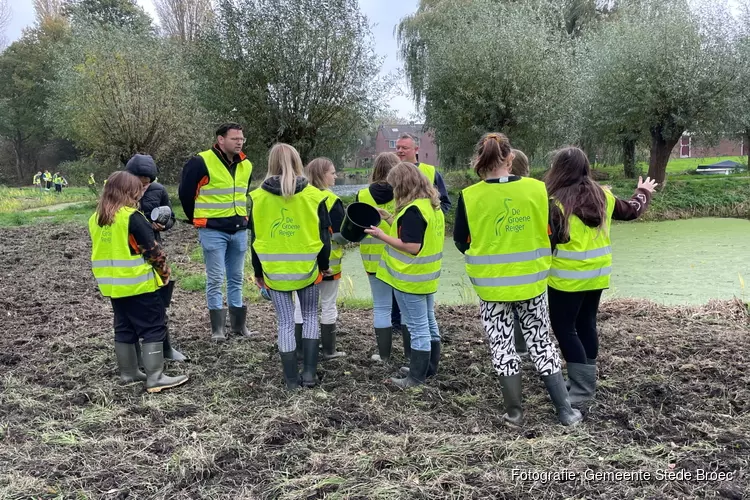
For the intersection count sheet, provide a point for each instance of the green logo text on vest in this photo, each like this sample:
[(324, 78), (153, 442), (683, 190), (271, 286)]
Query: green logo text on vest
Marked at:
[(284, 225)]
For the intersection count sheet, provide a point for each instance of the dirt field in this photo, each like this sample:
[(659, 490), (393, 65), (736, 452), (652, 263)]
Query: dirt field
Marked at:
[(674, 396)]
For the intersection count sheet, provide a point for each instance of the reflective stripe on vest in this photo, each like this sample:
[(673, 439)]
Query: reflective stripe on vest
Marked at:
[(418, 274), (370, 249), (585, 262), (119, 273), (224, 195), (286, 237), (428, 170), (509, 256)]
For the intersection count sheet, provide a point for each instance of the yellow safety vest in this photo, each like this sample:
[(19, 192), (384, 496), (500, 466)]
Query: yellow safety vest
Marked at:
[(56, 180), (287, 237), (91, 179), (119, 273), (418, 274), (585, 262), (47, 177), (509, 256), (371, 249), (428, 170), (337, 251), (223, 196), (37, 179)]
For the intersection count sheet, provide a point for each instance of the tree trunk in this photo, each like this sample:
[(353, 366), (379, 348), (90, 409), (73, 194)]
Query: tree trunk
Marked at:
[(628, 157), (661, 148), (747, 148), (17, 149)]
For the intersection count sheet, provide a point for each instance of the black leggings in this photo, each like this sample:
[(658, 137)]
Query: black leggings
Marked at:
[(141, 316), (573, 319)]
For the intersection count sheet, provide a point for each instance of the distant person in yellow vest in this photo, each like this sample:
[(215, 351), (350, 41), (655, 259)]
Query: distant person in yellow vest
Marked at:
[(47, 180), (520, 168), (92, 184), (379, 194), (37, 180), (213, 192), (130, 268), (501, 228), (321, 173), (291, 249), (411, 264), (581, 214), (59, 181)]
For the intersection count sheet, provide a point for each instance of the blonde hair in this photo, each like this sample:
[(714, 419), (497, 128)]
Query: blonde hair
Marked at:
[(410, 184), (316, 170), (491, 151), (284, 162), (520, 165), (122, 189), (383, 164)]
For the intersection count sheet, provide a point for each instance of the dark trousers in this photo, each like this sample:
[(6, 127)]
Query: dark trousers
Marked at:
[(140, 317), (58, 188), (573, 319), (395, 313)]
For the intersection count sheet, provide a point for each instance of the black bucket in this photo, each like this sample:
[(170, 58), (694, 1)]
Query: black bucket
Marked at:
[(359, 216)]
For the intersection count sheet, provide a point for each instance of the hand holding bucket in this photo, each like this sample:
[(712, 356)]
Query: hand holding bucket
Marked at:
[(359, 216)]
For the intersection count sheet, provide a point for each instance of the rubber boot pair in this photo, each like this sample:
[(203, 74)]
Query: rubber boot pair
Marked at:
[(511, 388), (432, 369), (581, 382), (153, 364), (419, 363), (170, 353), (309, 376), (237, 319)]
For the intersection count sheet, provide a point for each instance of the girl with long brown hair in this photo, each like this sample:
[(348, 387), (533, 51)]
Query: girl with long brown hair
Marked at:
[(130, 268), (411, 263), (581, 214)]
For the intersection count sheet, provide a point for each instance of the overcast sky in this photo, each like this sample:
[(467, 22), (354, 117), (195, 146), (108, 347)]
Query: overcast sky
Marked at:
[(384, 14)]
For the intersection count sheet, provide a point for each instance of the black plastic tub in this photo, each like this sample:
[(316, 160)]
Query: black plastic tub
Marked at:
[(359, 216)]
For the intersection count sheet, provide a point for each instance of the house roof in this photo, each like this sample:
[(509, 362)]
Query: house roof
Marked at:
[(723, 164), (392, 132)]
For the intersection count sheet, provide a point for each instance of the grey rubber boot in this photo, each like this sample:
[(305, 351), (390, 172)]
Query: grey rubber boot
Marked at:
[(138, 355), (511, 387), (406, 338), (298, 339), (153, 362), (432, 369), (289, 365), (127, 363), (559, 395), (384, 339), (237, 319), (418, 365), (172, 354), (328, 338), (309, 362), (582, 380), (521, 348), (218, 324)]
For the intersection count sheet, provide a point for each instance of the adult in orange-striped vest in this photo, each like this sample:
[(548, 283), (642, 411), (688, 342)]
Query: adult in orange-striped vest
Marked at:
[(291, 249), (213, 192), (379, 194), (501, 228), (130, 268), (581, 213), (321, 174)]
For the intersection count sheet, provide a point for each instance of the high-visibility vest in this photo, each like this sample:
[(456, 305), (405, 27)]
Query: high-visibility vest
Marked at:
[(418, 274), (287, 237), (37, 179), (56, 179), (585, 262), (91, 179), (509, 256), (224, 195), (428, 170), (337, 251), (119, 273), (47, 176), (370, 249)]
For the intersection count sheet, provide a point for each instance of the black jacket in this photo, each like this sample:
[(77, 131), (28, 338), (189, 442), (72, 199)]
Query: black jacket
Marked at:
[(156, 196), (273, 186), (381, 193)]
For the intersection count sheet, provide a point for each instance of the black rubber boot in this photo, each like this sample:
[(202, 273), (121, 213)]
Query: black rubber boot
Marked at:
[(406, 338), (566, 414), (309, 362), (237, 318), (328, 337), (127, 363), (218, 324), (289, 364), (418, 365), (521, 348), (582, 380), (138, 355), (153, 362), (511, 387), (434, 361), (384, 339), (172, 354), (298, 339)]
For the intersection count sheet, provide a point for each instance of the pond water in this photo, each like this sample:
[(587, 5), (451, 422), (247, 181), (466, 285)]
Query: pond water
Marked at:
[(347, 189), (672, 262)]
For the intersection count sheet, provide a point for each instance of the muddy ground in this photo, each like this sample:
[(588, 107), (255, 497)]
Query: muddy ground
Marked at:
[(674, 395)]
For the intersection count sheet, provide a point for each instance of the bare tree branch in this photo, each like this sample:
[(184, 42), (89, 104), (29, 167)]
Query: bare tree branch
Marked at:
[(184, 19), (47, 9), (5, 16)]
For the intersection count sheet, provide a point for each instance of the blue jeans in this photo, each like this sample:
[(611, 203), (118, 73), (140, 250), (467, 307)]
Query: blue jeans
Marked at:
[(382, 294), (418, 313), (224, 254)]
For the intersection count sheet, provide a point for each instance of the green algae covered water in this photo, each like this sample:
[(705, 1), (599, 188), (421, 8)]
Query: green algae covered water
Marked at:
[(672, 262)]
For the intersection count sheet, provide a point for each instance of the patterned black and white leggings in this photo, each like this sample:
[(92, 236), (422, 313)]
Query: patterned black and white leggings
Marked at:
[(283, 302), (497, 318)]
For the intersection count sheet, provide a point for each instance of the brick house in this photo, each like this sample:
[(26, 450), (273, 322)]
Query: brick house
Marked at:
[(385, 140), (690, 147)]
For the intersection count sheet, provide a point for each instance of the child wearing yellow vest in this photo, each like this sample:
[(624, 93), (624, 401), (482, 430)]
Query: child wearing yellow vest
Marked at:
[(291, 247), (321, 173), (411, 263), (581, 213)]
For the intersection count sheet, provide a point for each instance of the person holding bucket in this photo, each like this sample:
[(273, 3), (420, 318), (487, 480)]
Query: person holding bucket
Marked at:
[(321, 173), (501, 228), (411, 263), (291, 248), (379, 194)]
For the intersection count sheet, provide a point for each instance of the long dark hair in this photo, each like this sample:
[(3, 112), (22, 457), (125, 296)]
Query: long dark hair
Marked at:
[(122, 189), (569, 182)]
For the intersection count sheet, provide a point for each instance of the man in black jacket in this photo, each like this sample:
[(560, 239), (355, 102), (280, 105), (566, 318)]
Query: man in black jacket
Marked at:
[(144, 167)]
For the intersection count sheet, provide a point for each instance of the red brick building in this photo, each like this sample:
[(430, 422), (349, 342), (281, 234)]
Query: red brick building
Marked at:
[(385, 140), (690, 147)]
